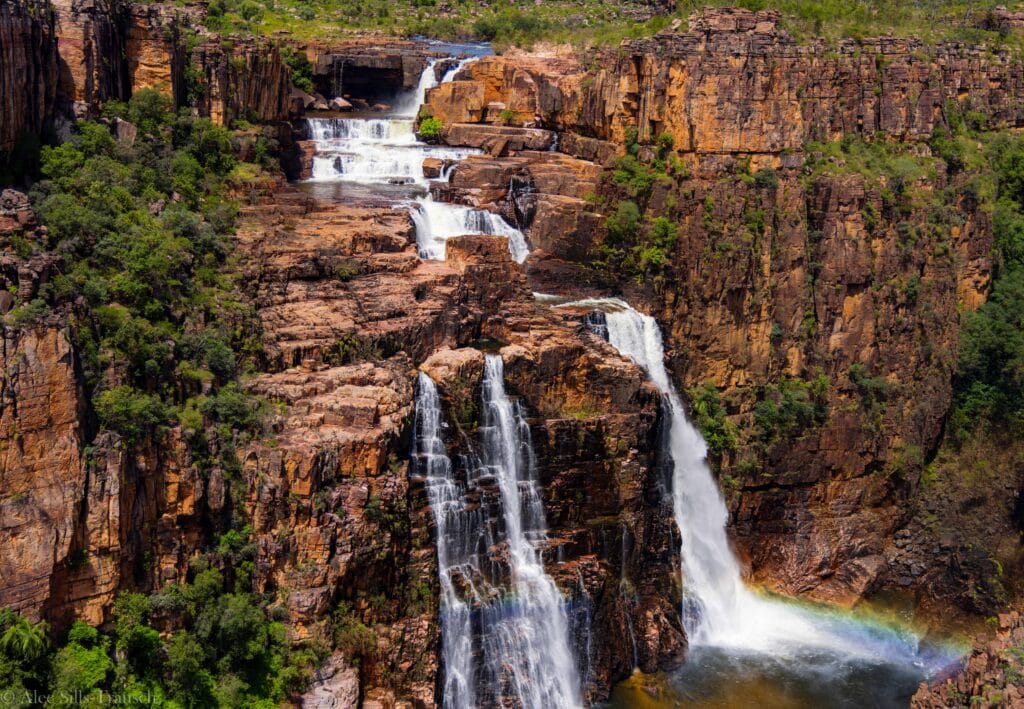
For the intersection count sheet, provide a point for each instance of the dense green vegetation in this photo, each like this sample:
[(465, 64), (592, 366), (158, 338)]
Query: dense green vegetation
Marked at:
[(142, 231), (990, 375), (217, 645)]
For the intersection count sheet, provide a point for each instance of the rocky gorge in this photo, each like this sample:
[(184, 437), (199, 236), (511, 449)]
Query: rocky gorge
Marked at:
[(786, 274)]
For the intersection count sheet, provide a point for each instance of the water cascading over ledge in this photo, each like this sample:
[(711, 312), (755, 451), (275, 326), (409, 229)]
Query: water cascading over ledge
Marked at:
[(726, 622), (505, 629), (384, 150)]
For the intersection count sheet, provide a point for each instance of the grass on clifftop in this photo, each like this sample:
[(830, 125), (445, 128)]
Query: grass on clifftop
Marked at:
[(504, 23), (598, 22), (928, 20)]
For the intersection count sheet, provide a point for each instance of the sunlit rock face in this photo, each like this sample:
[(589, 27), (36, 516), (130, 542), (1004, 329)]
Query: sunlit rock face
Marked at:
[(818, 288)]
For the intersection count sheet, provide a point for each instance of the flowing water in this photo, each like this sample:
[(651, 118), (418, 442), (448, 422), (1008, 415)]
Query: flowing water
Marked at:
[(505, 630), (456, 541), (383, 150), (736, 634), (507, 635)]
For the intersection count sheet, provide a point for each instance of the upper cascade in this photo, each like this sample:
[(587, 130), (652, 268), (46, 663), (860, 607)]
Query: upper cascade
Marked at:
[(385, 150)]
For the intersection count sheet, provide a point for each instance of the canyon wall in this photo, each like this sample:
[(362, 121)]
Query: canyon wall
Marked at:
[(808, 281), (336, 518), (28, 67), (62, 59), (814, 276)]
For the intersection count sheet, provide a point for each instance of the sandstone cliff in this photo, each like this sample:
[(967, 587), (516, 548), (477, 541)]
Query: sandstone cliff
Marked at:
[(28, 68), (808, 275)]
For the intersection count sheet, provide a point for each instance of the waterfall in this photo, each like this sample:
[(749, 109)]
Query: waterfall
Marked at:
[(505, 629), (719, 611), (409, 105), (451, 73), (436, 222), (452, 522), (377, 151), (528, 643)]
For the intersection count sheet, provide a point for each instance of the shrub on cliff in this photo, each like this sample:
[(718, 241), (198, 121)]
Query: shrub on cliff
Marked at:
[(710, 417), (302, 70), (791, 406), (130, 412), (430, 128)]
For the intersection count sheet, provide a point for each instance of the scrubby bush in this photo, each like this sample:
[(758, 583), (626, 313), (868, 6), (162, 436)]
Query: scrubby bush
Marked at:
[(430, 127), (710, 417), (130, 412)]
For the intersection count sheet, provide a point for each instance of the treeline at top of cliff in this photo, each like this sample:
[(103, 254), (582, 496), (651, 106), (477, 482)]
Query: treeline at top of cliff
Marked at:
[(524, 23)]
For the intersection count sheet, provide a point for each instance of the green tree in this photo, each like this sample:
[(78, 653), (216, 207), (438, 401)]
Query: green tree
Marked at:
[(81, 668), (130, 412)]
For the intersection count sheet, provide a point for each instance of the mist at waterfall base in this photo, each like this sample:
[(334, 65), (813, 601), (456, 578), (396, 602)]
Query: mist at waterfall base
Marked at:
[(382, 153), (742, 642)]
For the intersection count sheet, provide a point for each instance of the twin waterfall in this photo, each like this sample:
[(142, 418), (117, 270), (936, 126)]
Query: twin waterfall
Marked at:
[(507, 638), (385, 151)]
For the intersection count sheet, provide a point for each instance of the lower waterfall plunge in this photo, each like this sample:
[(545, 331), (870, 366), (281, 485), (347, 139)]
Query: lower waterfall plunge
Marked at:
[(506, 639), (719, 611)]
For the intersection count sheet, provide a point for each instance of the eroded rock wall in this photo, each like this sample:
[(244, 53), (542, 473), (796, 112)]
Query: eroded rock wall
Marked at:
[(28, 70), (806, 276), (337, 516), (735, 84)]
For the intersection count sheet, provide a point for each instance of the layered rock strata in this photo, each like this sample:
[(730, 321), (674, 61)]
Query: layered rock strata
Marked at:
[(28, 69), (799, 278)]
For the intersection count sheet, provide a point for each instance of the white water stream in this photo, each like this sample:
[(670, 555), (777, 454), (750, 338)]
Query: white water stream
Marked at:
[(505, 631), (719, 610), (385, 150)]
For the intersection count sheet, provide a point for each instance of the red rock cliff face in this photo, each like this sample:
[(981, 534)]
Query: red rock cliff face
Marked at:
[(242, 80), (735, 84), (63, 59), (91, 37), (800, 278), (336, 514)]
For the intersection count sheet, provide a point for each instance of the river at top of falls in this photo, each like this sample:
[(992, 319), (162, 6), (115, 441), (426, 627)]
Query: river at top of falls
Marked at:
[(505, 633), (730, 626), (382, 150)]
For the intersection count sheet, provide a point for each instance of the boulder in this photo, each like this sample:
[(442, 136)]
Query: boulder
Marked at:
[(432, 168), (339, 104), (335, 686), (124, 131), (307, 100)]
